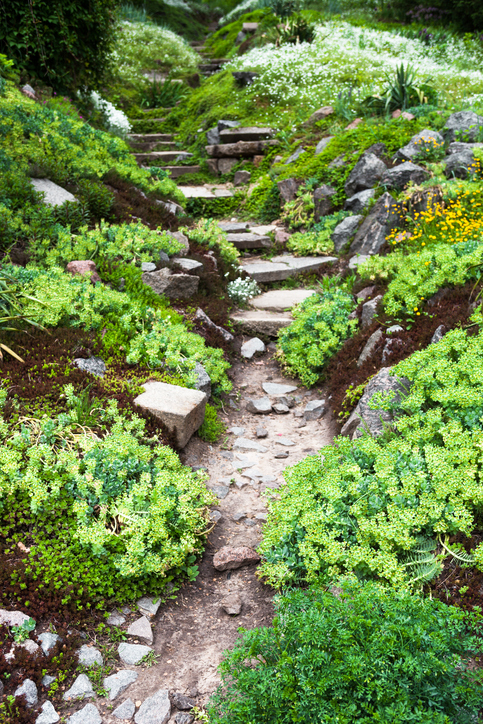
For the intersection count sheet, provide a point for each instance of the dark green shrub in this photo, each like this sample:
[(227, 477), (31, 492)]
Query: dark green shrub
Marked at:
[(364, 655), (64, 43), (212, 428)]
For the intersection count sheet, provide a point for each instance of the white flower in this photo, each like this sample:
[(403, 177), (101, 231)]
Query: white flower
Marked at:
[(116, 121), (241, 290)]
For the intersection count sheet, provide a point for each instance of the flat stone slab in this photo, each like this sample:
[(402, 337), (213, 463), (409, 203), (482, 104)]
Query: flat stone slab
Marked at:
[(239, 149), (242, 443), (197, 192), (249, 133), (278, 300), (187, 265), (228, 558), (284, 267), (177, 171), (155, 709), (118, 683), (249, 241), (54, 195), (156, 156), (180, 409), (131, 654), (233, 227), (87, 715), (173, 286), (90, 656), (141, 628), (263, 406), (262, 322), (262, 230), (274, 389)]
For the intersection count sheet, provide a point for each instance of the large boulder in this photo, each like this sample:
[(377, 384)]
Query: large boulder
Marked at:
[(399, 176), (462, 126), (374, 421), (366, 173), (288, 188), (344, 232), (173, 286), (322, 144), (323, 204), (460, 165), (384, 216), (359, 201), (425, 142)]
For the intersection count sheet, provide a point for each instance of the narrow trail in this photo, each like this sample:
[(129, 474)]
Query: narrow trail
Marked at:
[(192, 631)]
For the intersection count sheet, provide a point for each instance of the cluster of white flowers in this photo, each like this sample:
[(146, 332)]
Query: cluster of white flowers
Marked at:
[(142, 47), (178, 4), (343, 56), (116, 121), (241, 290), (244, 7)]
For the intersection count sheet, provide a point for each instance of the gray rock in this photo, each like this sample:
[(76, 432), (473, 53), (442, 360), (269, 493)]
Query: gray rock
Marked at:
[(203, 380), (31, 646), (163, 260), (248, 240), (319, 115), (232, 605), (459, 147), (280, 408), (182, 239), (238, 431), (87, 715), (394, 328), (187, 265), (289, 401), (344, 232), (29, 91), (230, 558), (357, 259), (295, 155), (423, 142), (338, 162), (54, 195), (12, 618), (225, 165), (323, 203), (125, 710), (90, 656), (94, 365), (288, 188), (215, 516), (366, 173), (358, 202), (182, 410), (462, 126), (213, 136), (261, 432), (80, 689), (261, 517), (29, 690), (48, 715), (438, 334), (116, 684), (370, 237), (284, 441), (148, 266), (369, 310), (363, 417), (243, 443), (239, 516), (259, 407), (182, 702), (224, 125), (277, 390), (221, 491), (322, 144), (285, 266), (183, 718), (233, 227), (365, 293), (131, 654), (370, 346), (460, 165), (155, 709), (203, 318), (141, 628), (173, 286), (240, 37), (281, 455), (116, 619), (315, 409), (48, 680), (399, 176), (48, 641), (241, 177), (252, 347)]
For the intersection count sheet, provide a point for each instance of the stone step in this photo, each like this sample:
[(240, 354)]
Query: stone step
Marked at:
[(283, 267), (261, 321), (213, 66), (279, 300), (249, 241), (249, 133), (233, 227), (156, 156), (148, 147), (177, 171), (151, 137), (205, 192), (239, 149)]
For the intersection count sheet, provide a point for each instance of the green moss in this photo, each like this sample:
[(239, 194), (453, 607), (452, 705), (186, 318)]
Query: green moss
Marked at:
[(212, 428), (222, 43)]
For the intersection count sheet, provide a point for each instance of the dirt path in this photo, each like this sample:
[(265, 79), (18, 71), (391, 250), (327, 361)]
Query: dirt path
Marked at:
[(191, 633)]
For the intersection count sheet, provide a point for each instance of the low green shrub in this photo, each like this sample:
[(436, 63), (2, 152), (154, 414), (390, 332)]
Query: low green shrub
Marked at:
[(321, 323), (380, 507), (206, 232), (354, 656), (212, 428), (319, 239)]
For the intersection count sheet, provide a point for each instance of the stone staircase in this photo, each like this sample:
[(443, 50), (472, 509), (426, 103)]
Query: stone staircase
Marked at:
[(156, 149), (230, 144)]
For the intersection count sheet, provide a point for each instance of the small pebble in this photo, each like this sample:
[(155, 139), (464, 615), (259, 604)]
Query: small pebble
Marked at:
[(262, 432), (282, 454), (280, 409)]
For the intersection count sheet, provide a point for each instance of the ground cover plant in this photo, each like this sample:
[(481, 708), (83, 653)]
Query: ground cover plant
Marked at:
[(359, 654)]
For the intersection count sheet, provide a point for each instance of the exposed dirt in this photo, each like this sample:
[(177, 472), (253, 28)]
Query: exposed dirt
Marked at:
[(192, 631)]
